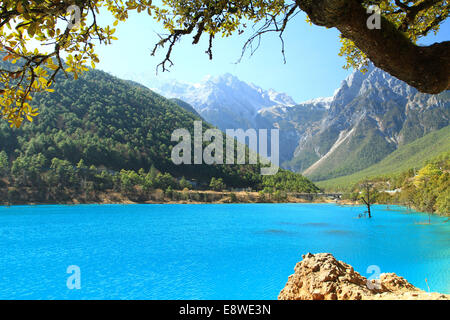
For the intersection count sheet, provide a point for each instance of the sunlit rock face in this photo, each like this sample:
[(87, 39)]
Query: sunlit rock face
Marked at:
[(322, 277)]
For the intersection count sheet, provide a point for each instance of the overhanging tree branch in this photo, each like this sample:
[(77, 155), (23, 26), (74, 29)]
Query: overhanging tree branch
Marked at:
[(426, 68)]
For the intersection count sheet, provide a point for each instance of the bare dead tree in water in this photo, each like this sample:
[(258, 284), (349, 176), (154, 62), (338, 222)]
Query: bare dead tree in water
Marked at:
[(429, 202), (368, 195)]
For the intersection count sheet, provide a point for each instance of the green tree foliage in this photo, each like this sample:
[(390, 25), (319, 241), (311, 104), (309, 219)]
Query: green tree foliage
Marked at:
[(62, 174), (288, 181), (100, 133), (279, 196), (427, 190), (60, 28), (217, 184), (26, 170), (184, 184), (4, 164), (112, 124)]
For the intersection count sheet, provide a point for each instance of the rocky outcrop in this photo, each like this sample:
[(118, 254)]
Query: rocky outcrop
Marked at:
[(370, 116), (322, 277)]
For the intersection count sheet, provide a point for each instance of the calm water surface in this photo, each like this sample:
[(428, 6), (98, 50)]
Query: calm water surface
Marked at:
[(242, 251)]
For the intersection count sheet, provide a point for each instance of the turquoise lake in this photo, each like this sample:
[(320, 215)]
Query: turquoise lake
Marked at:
[(236, 251)]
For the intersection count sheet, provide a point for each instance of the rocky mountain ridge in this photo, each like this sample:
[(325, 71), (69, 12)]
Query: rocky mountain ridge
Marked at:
[(224, 101), (369, 116)]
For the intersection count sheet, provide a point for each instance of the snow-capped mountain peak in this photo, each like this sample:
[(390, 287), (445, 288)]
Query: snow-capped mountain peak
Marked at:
[(225, 100), (318, 102)]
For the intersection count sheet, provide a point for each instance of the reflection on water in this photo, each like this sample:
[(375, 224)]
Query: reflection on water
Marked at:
[(275, 231), (309, 224), (340, 232)]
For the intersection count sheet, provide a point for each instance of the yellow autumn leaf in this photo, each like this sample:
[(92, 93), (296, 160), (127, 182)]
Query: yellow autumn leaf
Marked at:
[(19, 7)]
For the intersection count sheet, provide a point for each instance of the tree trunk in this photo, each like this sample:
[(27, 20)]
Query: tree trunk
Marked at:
[(426, 68)]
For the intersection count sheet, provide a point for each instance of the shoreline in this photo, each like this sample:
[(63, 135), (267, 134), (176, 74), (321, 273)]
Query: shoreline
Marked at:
[(162, 203), (211, 197), (318, 202), (165, 202), (188, 197)]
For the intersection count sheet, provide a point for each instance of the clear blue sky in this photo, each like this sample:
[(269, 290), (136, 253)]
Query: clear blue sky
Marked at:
[(313, 67)]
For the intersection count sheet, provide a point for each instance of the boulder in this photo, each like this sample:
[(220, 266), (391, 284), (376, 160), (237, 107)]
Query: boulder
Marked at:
[(322, 277)]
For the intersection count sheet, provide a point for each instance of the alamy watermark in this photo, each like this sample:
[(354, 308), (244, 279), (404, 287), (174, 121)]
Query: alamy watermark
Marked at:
[(75, 16), (374, 20), (214, 152), (74, 280), (374, 282)]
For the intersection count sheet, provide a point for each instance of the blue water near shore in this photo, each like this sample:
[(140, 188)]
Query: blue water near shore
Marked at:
[(242, 251)]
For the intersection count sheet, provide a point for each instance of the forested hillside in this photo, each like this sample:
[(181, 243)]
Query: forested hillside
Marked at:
[(109, 123)]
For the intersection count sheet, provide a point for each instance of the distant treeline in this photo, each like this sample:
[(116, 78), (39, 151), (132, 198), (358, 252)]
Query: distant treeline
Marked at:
[(36, 179), (101, 133)]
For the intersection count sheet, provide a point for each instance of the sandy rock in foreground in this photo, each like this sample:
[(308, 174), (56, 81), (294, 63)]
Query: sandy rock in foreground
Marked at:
[(322, 277)]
